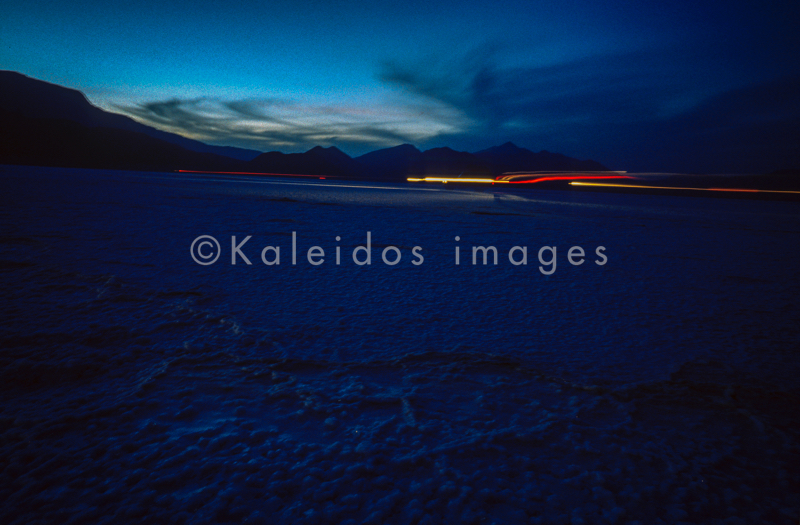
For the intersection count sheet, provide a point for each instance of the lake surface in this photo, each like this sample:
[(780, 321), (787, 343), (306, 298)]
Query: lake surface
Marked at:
[(661, 384)]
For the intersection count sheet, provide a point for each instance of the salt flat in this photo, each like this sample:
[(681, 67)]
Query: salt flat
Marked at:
[(660, 386)]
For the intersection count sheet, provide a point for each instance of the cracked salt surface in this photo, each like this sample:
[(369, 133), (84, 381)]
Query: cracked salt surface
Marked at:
[(138, 386)]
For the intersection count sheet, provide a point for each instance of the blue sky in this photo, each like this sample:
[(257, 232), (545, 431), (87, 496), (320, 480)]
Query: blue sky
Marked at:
[(635, 85)]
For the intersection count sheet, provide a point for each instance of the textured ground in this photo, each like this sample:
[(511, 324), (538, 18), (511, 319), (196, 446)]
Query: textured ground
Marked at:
[(139, 386)]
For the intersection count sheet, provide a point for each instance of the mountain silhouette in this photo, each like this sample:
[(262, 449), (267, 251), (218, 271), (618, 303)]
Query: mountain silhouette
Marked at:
[(37, 99), (50, 125), (316, 161), (392, 163), (65, 143), (404, 161), (446, 161), (509, 157)]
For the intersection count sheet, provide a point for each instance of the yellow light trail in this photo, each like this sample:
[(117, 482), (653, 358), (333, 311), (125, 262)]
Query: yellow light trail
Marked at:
[(677, 188), (449, 179)]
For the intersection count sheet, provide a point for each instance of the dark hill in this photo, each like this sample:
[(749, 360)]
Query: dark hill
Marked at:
[(448, 162), (41, 100), (509, 157), (64, 143), (316, 161), (392, 163)]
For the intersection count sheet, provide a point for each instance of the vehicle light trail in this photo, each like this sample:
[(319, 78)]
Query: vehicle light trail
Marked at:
[(569, 177), (505, 180), (454, 179)]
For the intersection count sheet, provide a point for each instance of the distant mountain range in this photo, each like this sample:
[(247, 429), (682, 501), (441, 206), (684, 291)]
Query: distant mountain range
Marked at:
[(50, 125)]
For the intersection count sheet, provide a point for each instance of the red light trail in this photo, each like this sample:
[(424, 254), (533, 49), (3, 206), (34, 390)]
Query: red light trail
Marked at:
[(569, 177)]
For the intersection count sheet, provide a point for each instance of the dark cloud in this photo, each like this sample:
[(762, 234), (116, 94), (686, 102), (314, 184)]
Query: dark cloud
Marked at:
[(751, 129), (257, 109), (768, 102), (636, 111), (183, 115), (605, 89), (270, 124)]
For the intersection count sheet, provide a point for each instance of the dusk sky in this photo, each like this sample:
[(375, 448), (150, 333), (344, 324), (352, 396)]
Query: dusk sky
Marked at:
[(681, 85)]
